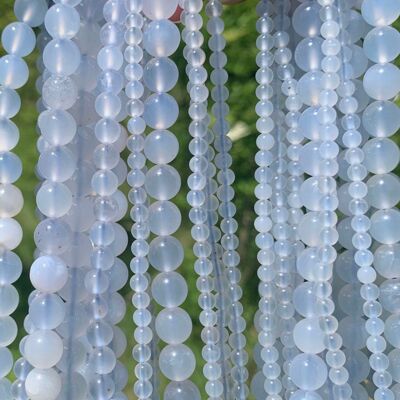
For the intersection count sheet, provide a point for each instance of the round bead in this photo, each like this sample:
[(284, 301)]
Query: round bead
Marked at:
[(164, 218), (308, 336), (387, 259), (43, 349), (8, 331), (308, 372), (308, 54), (392, 326), (380, 13), (49, 274), (56, 164), (8, 300), (161, 147), (6, 362), (173, 325), (47, 311), (61, 57), (161, 38), (18, 39), (306, 19), (382, 45), (185, 390), (381, 155), (161, 111), (381, 118), (62, 21), (177, 362), (160, 74), (162, 182), (59, 92), (383, 191), (384, 226), (166, 253), (30, 12), (54, 199), (9, 135), (169, 289), (43, 384), (14, 72), (159, 9), (10, 233), (382, 81), (58, 127), (11, 201)]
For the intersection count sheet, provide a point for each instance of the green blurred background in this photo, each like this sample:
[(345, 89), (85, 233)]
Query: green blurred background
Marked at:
[(240, 34)]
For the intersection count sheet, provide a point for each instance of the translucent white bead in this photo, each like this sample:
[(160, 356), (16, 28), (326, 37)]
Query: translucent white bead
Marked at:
[(8, 331), (160, 74), (57, 127), (380, 13), (54, 199), (392, 326), (161, 111), (353, 332), (6, 362), (165, 253), (308, 54), (18, 39), (43, 384), (56, 164), (383, 191), (10, 233), (61, 57), (9, 299), (47, 311), (169, 289), (161, 147), (9, 135), (381, 155), (161, 38), (173, 325), (387, 259), (382, 81), (384, 226), (309, 87), (10, 267), (306, 19), (59, 92), (185, 390), (308, 336), (164, 218), (310, 228), (382, 45), (11, 201), (162, 182), (308, 372), (177, 362), (14, 72), (388, 295), (49, 274), (43, 349), (394, 366), (62, 21), (381, 118), (159, 9)]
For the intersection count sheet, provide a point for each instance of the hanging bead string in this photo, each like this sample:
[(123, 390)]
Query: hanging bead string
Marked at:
[(162, 182), (225, 193), (108, 239), (349, 298), (43, 348), (134, 90), (379, 156), (263, 207), (18, 40), (199, 197), (286, 214)]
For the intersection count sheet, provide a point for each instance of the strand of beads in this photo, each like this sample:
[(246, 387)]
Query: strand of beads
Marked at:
[(287, 183), (43, 348), (263, 207), (352, 326), (18, 40), (134, 89), (382, 191), (225, 193), (162, 182), (106, 309), (199, 197)]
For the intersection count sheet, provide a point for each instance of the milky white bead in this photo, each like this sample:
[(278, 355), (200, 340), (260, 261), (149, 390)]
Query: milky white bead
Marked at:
[(48, 274), (380, 12), (10, 233), (43, 384), (159, 9)]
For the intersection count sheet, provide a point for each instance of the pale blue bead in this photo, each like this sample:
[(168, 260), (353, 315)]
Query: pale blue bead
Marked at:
[(48, 274), (158, 9), (308, 372), (388, 295), (56, 164), (382, 44), (173, 325), (77, 391), (387, 261), (161, 111), (380, 13), (384, 226), (10, 167), (9, 299), (177, 362), (382, 81), (353, 332), (357, 364), (57, 126), (185, 390), (161, 38), (381, 118), (61, 57), (392, 326), (8, 331), (382, 155), (164, 218), (169, 289), (110, 57), (306, 19), (10, 103), (9, 135), (18, 39), (59, 92), (161, 147), (41, 384), (30, 12), (309, 87), (10, 267), (308, 54), (102, 360), (165, 253), (14, 72), (47, 311), (394, 366), (62, 21), (160, 74), (54, 199), (308, 336), (162, 182), (383, 191), (6, 362)]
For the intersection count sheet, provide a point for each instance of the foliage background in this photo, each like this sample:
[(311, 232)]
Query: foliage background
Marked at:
[(240, 34)]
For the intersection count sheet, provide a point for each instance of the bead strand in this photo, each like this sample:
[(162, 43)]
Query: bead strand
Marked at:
[(162, 182), (380, 156), (263, 224), (134, 90), (225, 193), (200, 198)]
